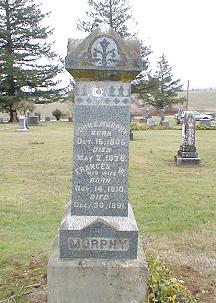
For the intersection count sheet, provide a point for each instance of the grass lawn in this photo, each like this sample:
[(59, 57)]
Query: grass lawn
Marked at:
[(175, 207)]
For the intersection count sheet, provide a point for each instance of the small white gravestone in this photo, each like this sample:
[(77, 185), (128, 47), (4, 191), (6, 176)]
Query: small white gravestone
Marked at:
[(151, 122), (22, 124)]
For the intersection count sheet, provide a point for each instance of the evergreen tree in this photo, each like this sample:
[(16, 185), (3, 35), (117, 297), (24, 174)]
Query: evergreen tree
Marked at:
[(24, 73), (159, 90), (116, 13)]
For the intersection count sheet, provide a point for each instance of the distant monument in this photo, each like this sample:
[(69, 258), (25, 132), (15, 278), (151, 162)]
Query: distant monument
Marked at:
[(33, 120), (97, 257), (187, 154), (22, 124)]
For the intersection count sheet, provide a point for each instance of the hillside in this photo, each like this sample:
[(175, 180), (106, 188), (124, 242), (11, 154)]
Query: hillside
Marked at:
[(202, 100), (199, 100)]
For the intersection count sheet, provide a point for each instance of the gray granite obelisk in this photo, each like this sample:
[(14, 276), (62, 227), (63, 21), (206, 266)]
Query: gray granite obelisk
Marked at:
[(98, 257), (187, 154)]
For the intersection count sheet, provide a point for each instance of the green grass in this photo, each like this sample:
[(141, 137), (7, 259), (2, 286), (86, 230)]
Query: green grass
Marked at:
[(175, 207), (169, 192)]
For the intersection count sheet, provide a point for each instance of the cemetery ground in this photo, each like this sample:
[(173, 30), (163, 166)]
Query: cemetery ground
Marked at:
[(175, 207)]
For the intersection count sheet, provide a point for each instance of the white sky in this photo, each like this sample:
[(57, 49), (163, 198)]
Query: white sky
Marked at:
[(184, 30)]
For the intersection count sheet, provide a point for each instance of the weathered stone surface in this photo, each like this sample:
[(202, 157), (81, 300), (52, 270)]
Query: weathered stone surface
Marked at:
[(101, 143), (96, 280), (99, 237), (187, 154), (103, 55)]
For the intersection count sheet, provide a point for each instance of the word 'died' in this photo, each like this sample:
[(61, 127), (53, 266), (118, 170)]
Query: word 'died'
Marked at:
[(92, 244)]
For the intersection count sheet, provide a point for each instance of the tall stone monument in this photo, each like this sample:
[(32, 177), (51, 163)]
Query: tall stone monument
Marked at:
[(187, 154), (97, 256)]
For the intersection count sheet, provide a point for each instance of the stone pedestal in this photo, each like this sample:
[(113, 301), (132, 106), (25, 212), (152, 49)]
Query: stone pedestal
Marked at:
[(22, 124), (187, 161), (98, 237), (187, 155), (96, 280)]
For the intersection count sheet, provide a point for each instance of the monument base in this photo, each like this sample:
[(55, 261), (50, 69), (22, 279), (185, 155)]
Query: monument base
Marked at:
[(187, 161), (98, 237), (96, 280)]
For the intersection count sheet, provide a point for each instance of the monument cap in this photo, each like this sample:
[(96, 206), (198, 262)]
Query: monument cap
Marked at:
[(103, 55)]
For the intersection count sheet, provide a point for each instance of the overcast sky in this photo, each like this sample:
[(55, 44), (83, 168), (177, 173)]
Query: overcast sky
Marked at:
[(184, 30)]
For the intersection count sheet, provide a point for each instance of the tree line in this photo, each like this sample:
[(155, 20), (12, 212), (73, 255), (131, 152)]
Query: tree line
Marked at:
[(29, 66)]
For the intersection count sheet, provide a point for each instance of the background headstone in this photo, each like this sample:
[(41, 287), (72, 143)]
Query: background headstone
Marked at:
[(22, 124), (187, 154), (33, 121), (151, 122), (206, 122)]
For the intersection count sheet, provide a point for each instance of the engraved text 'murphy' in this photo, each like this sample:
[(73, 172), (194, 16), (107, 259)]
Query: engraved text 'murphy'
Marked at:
[(103, 244)]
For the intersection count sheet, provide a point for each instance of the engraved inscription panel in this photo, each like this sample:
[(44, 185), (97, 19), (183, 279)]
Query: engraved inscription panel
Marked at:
[(100, 167)]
